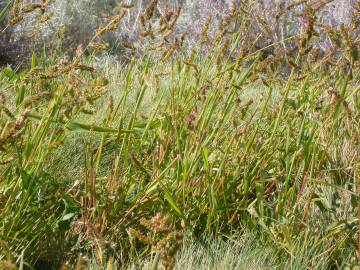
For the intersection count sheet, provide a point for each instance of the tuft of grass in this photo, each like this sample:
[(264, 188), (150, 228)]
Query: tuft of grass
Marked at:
[(117, 161), (243, 250)]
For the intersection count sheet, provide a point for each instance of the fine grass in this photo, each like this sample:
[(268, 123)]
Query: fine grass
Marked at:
[(241, 251)]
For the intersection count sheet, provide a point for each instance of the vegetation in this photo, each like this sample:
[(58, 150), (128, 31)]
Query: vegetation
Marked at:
[(227, 149)]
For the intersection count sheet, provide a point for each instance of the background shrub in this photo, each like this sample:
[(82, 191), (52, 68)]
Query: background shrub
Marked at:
[(75, 21)]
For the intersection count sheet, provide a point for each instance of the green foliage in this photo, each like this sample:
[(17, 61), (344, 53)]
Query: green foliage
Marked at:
[(216, 140), (4, 12)]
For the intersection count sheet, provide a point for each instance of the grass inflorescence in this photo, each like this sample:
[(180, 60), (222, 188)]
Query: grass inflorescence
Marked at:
[(106, 163)]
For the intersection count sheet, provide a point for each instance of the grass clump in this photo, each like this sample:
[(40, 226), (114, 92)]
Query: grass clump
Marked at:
[(117, 162)]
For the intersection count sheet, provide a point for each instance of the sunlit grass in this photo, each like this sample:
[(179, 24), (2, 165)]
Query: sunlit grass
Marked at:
[(119, 162)]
